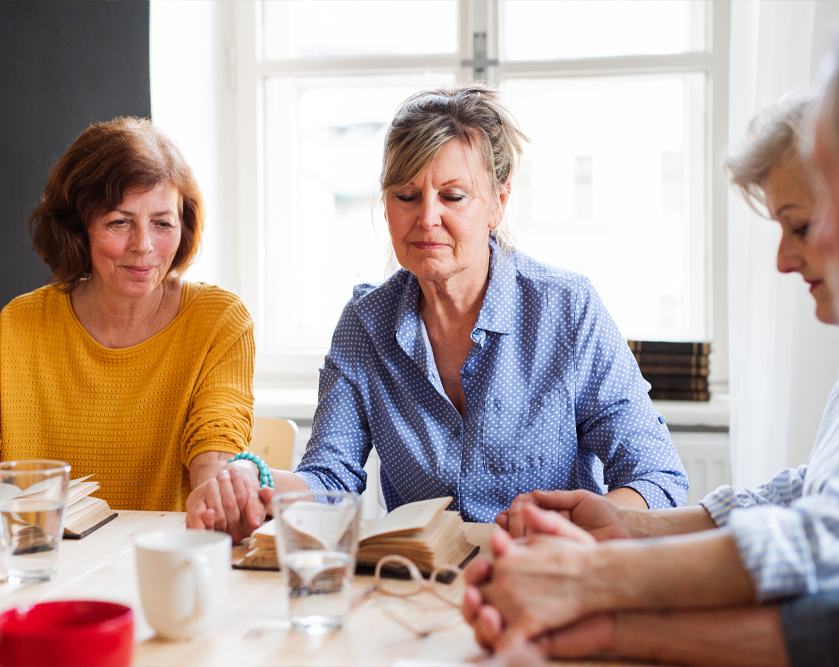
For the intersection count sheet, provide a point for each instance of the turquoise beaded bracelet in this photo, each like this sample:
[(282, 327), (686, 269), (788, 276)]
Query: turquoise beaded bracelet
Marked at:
[(266, 479)]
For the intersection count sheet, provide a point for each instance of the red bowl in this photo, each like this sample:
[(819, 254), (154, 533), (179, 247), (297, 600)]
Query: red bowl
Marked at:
[(67, 632)]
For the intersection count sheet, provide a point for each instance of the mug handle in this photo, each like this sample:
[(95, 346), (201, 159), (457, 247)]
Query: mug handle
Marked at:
[(202, 574)]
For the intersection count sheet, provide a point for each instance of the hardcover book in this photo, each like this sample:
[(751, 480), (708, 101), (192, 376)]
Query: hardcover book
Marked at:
[(680, 382), (676, 395), (667, 347), (655, 358), (670, 369)]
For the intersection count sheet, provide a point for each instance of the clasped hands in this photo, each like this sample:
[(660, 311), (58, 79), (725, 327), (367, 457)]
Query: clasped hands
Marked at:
[(542, 585), (228, 499)]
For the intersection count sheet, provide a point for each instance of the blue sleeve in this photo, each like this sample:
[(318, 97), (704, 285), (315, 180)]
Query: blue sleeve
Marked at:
[(616, 421), (341, 441)]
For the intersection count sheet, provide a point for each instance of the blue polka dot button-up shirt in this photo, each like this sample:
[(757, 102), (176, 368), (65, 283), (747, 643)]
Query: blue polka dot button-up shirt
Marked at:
[(554, 399)]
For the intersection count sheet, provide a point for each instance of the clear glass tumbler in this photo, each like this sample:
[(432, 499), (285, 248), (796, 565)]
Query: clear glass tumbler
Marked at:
[(33, 495), (317, 540)]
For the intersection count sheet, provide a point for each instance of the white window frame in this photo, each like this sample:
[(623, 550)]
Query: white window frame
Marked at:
[(476, 18)]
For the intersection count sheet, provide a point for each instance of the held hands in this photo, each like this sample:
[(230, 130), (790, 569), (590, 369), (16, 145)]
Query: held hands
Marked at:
[(540, 583), (229, 502), (602, 518)]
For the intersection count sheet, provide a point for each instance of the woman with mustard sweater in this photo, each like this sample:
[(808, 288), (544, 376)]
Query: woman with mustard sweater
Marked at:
[(119, 367)]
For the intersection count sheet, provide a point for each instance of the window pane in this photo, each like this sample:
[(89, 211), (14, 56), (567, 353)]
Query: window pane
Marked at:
[(537, 30), (330, 28), (323, 155), (612, 187)]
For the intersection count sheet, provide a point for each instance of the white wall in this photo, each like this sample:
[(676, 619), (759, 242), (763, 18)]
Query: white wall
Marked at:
[(193, 101)]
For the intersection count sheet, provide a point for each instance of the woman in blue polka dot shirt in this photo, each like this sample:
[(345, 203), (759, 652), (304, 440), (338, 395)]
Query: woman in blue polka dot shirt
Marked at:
[(476, 371)]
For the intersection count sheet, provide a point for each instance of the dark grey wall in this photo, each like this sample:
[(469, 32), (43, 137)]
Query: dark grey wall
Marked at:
[(63, 65)]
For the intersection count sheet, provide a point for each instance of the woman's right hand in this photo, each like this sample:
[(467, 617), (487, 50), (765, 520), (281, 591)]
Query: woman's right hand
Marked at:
[(599, 516)]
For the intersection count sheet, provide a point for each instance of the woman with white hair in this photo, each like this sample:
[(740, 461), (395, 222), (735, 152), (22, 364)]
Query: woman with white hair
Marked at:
[(584, 591)]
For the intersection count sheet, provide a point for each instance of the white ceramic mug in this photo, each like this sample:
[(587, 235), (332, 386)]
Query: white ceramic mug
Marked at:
[(182, 579)]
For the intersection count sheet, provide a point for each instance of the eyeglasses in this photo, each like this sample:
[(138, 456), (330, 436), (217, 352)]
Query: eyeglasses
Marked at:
[(445, 583)]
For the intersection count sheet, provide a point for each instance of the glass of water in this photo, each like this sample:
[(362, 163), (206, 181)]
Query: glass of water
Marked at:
[(317, 539), (33, 495)]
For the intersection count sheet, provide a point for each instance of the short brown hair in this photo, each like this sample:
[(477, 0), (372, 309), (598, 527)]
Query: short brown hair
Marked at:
[(429, 119), (92, 178)]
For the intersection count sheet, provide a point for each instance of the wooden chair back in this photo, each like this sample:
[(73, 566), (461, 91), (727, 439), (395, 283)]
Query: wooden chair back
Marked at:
[(273, 441)]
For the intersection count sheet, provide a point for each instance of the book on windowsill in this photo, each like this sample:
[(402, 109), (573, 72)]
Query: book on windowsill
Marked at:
[(656, 358), (678, 382), (683, 371), (667, 347), (677, 395), (422, 532)]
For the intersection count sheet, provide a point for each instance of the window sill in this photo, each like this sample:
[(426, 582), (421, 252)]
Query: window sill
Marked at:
[(299, 404), (710, 415), (286, 403)]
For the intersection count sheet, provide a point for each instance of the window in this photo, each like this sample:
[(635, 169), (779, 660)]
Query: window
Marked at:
[(618, 183)]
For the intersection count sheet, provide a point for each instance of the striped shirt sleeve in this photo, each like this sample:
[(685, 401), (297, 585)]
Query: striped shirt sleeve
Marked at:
[(791, 550), (781, 491)]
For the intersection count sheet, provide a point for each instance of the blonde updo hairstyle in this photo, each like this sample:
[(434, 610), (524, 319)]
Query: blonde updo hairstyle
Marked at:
[(774, 135), (472, 114)]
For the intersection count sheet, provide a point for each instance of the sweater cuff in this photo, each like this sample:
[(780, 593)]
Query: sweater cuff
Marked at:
[(719, 504), (774, 548), (221, 446)]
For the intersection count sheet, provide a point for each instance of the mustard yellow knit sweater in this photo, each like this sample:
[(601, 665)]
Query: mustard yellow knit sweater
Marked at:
[(136, 417)]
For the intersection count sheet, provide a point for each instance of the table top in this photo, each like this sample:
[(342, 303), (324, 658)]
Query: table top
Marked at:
[(255, 629)]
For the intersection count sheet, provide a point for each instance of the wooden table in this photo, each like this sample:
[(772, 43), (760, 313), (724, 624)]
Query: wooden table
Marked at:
[(255, 629)]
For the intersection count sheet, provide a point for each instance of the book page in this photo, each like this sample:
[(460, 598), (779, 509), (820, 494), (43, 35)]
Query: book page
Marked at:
[(323, 523), (269, 528), (409, 518), (80, 491), (9, 491)]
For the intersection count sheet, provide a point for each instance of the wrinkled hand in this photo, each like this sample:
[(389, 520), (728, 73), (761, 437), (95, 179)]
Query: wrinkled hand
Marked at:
[(539, 585), (598, 515), (231, 502), (479, 608)]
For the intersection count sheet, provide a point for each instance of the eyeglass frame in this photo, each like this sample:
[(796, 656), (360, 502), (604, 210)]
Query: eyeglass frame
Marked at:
[(416, 577)]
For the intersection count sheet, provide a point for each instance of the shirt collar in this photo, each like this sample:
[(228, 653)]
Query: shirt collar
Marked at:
[(496, 314)]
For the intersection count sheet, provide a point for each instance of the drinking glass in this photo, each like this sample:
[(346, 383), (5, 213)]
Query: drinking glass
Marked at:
[(33, 495), (317, 540)]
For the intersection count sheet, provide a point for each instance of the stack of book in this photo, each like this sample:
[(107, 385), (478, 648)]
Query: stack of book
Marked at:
[(676, 371)]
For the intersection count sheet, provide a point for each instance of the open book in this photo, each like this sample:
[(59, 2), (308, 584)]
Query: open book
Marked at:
[(421, 531), (82, 515)]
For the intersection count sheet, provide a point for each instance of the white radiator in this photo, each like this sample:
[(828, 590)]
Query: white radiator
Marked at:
[(706, 459)]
